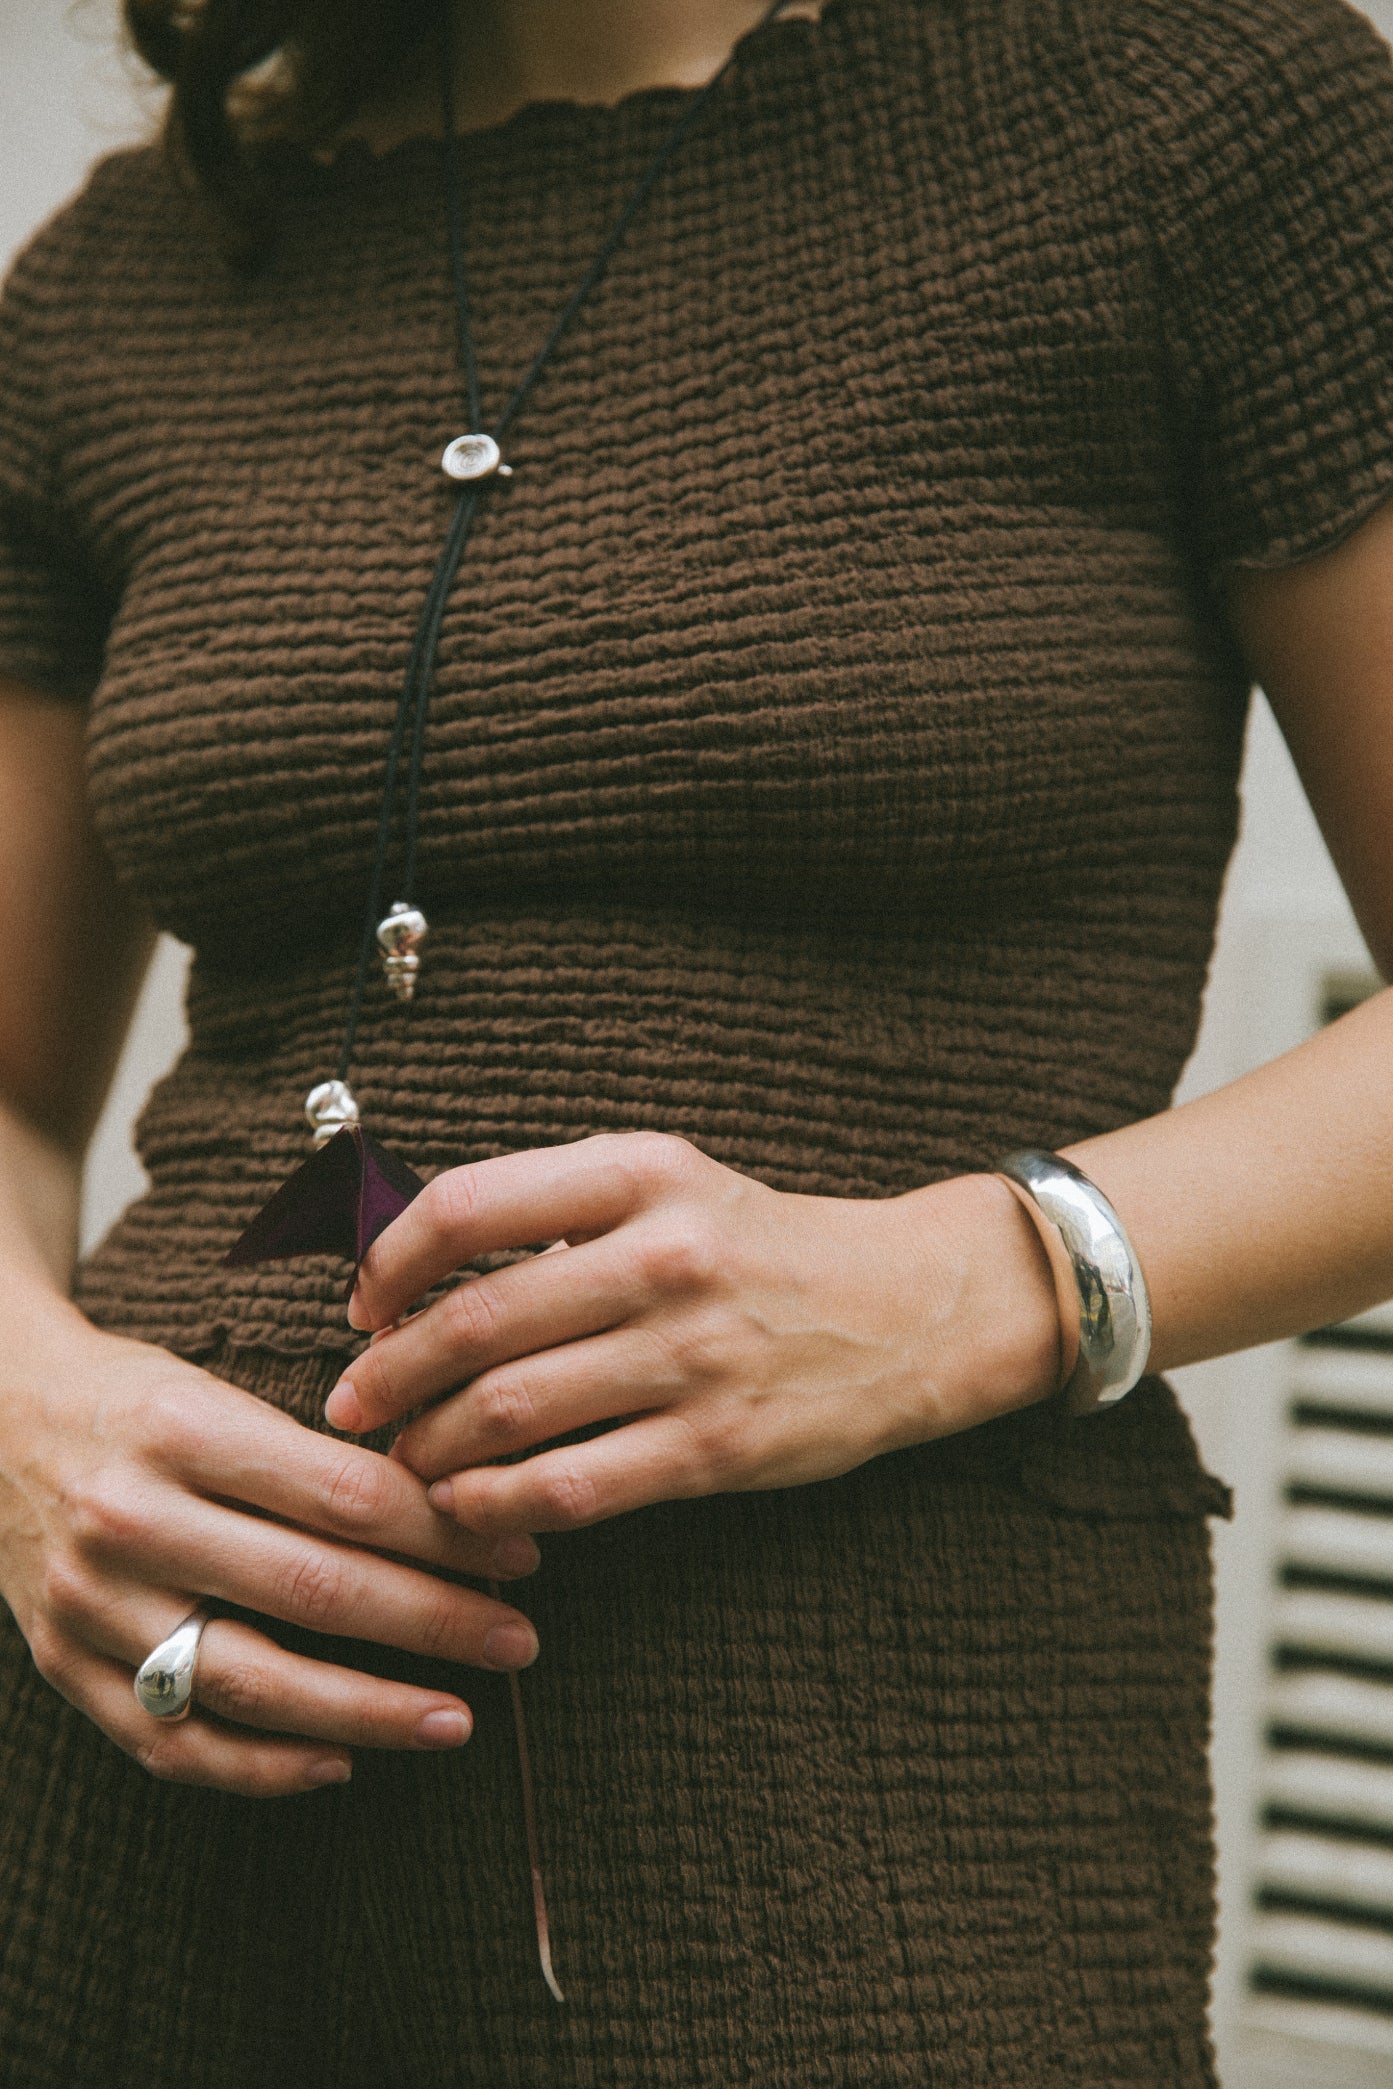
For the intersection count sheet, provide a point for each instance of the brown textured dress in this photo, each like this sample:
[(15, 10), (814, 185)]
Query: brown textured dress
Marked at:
[(834, 761)]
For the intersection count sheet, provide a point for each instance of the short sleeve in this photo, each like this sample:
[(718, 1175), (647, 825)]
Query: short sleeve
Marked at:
[(54, 611), (1261, 134)]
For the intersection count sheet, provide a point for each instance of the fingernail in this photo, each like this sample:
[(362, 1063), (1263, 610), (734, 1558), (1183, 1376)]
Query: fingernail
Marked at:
[(442, 1496), (511, 1646), (444, 1729), (516, 1555), (357, 1318), (334, 1769), (341, 1409)]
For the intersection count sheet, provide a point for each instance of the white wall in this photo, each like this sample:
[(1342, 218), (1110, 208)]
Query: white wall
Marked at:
[(67, 93)]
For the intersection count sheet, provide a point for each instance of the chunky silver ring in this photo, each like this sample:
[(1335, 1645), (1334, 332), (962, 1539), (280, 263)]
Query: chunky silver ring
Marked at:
[(164, 1679), (1096, 1272)]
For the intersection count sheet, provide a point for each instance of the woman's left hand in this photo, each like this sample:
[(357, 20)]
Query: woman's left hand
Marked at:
[(740, 1337)]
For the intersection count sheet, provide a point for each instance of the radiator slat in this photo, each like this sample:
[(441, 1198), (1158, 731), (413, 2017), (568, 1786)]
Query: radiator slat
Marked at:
[(1325, 1784), (1338, 1542), (1358, 1627), (1351, 1873), (1335, 1951), (1343, 1462)]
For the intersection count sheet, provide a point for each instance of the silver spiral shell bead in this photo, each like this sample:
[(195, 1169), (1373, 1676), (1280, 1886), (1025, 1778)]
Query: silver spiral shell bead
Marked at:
[(475, 456), (329, 1107), (400, 935)]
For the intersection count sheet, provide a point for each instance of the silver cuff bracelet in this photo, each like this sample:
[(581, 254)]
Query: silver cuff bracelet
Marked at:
[(1096, 1274)]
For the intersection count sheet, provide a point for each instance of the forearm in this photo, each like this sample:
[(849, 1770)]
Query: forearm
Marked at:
[(1266, 1208), (40, 1185)]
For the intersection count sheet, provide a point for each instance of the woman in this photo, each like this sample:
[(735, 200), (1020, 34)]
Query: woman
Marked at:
[(829, 777)]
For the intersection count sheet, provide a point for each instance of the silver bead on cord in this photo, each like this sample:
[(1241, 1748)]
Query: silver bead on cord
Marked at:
[(330, 1107), (399, 938), (471, 457)]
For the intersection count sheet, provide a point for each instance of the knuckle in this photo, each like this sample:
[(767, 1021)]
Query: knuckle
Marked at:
[(358, 1493), (51, 1654), (658, 1158), (242, 1692), (716, 1450), (507, 1410), (608, 1148), (314, 1586), (451, 1202), (160, 1755), (472, 1314), (568, 1498), (170, 1427), (681, 1255), (104, 1513), (68, 1594), (438, 1625)]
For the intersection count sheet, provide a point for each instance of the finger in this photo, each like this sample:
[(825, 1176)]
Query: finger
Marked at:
[(253, 1453), (513, 1312), (196, 1750), (245, 1677), (529, 1401), (514, 1200), (180, 1541), (659, 1458)]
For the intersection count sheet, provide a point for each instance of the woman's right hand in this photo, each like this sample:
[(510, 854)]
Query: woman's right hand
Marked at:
[(132, 1485)]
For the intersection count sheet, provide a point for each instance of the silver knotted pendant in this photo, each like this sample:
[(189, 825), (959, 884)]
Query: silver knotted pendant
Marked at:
[(400, 934)]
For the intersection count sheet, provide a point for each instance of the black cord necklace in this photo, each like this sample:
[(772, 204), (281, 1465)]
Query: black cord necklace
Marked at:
[(473, 461), (352, 1188), (341, 1199)]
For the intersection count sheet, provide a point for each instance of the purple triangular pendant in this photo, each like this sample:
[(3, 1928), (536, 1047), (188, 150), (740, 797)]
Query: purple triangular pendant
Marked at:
[(335, 1204)]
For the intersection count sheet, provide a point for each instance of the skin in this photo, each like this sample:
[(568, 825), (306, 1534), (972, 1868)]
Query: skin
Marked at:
[(737, 1336), (515, 51)]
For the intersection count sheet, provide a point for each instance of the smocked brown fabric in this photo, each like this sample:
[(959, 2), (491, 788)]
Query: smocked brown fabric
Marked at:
[(833, 760)]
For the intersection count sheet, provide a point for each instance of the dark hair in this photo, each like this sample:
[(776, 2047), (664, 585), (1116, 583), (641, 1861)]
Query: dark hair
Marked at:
[(252, 76)]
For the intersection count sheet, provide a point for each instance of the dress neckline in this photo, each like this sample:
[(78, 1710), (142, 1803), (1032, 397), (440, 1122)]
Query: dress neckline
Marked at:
[(784, 38)]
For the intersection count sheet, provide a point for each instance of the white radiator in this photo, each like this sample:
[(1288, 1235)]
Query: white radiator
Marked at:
[(1320, 1933), (1304, 1703)]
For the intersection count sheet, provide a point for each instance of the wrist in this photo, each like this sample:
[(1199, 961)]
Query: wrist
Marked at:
[(998, 1338), (45, 1330), (40, 1187)]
